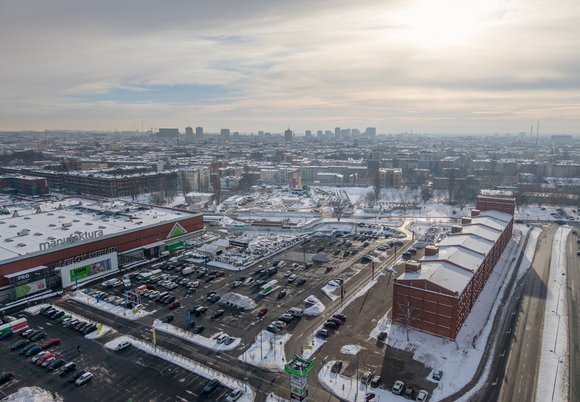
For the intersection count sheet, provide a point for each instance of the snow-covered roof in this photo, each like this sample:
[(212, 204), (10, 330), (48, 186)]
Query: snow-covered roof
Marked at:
[(441, 273), (470, 241), (460, 256)]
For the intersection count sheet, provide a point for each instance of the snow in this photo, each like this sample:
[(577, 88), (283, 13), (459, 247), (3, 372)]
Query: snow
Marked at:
[(350, 349), (32, 394), (104, 329), (209, 343), (554, 362), (349, 389), (328, 292), (311, 348), (462, 356), (119, 311), (316, 307), (383, 325), (267, 351), (529, 252), (275, 398), (238, 300), (186, 363)]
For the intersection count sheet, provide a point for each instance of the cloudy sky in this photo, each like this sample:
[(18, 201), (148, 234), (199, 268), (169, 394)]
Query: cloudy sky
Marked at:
[(438, 66)]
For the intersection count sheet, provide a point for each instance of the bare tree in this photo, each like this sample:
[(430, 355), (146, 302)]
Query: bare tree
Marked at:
[(408, 310), (339, 206), (157, 198)]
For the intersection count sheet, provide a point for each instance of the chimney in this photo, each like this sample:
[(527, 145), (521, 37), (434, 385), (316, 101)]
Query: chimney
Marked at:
[(465, 220), (474, 212), (456, 229), (412, 266), (431, 250)]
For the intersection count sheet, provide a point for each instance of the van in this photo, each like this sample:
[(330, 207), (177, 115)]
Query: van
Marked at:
[(187, 271), (296, 312)]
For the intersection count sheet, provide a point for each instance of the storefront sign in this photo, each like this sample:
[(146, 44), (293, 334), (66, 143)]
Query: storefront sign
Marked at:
[(86, 256), (73, 238)]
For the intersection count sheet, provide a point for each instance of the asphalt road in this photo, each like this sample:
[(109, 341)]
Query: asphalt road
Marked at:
[(573, 276), (518, 381)]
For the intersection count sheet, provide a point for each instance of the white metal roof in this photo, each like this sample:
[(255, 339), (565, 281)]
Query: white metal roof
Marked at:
[(441, 273)]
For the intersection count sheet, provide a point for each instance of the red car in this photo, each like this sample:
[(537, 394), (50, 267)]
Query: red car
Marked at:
[(43, 358), (50, 343), (262, 312), (174, 305)]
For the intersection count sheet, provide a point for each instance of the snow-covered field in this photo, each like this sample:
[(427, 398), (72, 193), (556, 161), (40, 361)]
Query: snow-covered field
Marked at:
[(119, 311), (101, 331), (267, 351), (186, 363), (554, 359), (209, 343), (32, 394)]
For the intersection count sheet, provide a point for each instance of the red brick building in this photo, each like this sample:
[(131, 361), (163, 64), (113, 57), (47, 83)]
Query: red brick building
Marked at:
[(437, 293)]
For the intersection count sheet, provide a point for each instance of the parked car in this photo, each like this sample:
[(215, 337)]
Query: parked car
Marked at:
[(50, 343), (382, 337), (199, 329), (273, 329), (30, 350), (422, 396), (38, 336), (366, 377), (168, 318), (336, 367), (322, 333), (76, 376), (67, 368), (56, 364), (122, 345), (218, 314), (375, 381), (292, 278), (409, 392), (437, 375), (281, 295), (6, 335), (210, 386), (335, 320), (398, 387), (234, 395), (200, 310), (330, 325), (174, 305), (26, 332), (300, 281), (262, 312), (37, 356), (286, 317), (46, 362), (19, 344), (83, 379), (6, 376)]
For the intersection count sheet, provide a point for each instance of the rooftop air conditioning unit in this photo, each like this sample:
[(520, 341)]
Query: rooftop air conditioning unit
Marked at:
[(23, 232), (67, 225)]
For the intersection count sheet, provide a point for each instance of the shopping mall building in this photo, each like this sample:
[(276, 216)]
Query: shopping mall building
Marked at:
[(48, 246)]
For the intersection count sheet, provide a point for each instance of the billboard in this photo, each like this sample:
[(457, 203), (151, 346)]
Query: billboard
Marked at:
[(90, 269), (28, 282)]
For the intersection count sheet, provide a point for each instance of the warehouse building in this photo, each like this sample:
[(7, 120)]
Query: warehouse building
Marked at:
[(436, 293), (47, 246)]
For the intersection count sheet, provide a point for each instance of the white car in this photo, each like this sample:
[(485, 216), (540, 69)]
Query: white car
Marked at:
[(235, 395), (398, 387), (38, 356), (248, 281), (422, 396), (84, 378), (279, 324), (292, 278), (123, 345)]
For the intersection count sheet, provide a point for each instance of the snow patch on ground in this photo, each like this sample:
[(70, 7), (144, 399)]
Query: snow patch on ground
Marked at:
[(119, 311), (275, 398), (34, 310), (267, 351), (32, 394), (351, 349), (209, 343), (186, 363), (554, 361), (316, 306), (462, 356), (328, 291)]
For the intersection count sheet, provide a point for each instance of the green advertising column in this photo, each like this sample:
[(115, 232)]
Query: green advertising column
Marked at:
[(299, 368)]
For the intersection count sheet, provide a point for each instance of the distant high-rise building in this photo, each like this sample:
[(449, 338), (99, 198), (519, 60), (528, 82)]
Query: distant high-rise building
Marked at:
[(188, 132), (168, 133), (371, 131), (236, 134), (308, 134), (355, 131), (288, 135), (319, 133), (225, 132), (199, 131), (337, 132), (260, 133)]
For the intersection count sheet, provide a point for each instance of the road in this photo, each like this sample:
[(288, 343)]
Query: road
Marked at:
[(518, 379), (573, 284)]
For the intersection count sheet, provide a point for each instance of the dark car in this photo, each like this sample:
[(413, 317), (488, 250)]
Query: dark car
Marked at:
[(437, 374), (409, 392), (300, 281), (67, 368), (199, 329), (174, 305), (281, 295), (376, 381), (58, 315), (81, 327), (330, 325), (19, 344), (5, 377), (200, 310), (341, 317), (38, 336), (28, 347), (30, 334), (382, 337), (168, 318), (210, 386), (218, 314), (56, 364), (26, 332), (335, 320), (50, 343), (48, 311), (76, 376), (53, 314), (322, 333), (6, 335), (45, 309), (89, 329), (32, 351), (170, 299), (215, 299), (336, 367)]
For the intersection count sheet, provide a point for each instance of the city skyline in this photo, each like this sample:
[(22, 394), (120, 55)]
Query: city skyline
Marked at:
[(458, 68)]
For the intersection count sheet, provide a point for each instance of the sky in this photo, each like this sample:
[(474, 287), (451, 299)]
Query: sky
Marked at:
[(444, 66)]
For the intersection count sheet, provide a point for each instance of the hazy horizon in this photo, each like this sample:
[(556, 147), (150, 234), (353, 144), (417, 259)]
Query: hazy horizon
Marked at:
[(450, 67)]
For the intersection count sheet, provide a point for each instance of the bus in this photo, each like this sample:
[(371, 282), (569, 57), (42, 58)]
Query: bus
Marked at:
[(268, 288)]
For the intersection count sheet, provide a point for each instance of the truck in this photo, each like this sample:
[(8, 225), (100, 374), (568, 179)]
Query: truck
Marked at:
[(268, 287)]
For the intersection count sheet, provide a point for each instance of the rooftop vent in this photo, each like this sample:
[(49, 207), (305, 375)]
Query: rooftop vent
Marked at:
[(66, 225), (23, 232), (38, 234), (8, 240), (12, 226), (20, 245), (50, 214), (27, 218), (52, 225), (88, 223), (61, 217), (76, 220)]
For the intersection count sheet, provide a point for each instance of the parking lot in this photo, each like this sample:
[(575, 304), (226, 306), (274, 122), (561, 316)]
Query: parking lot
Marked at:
[(118, 376), (296, 278)]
